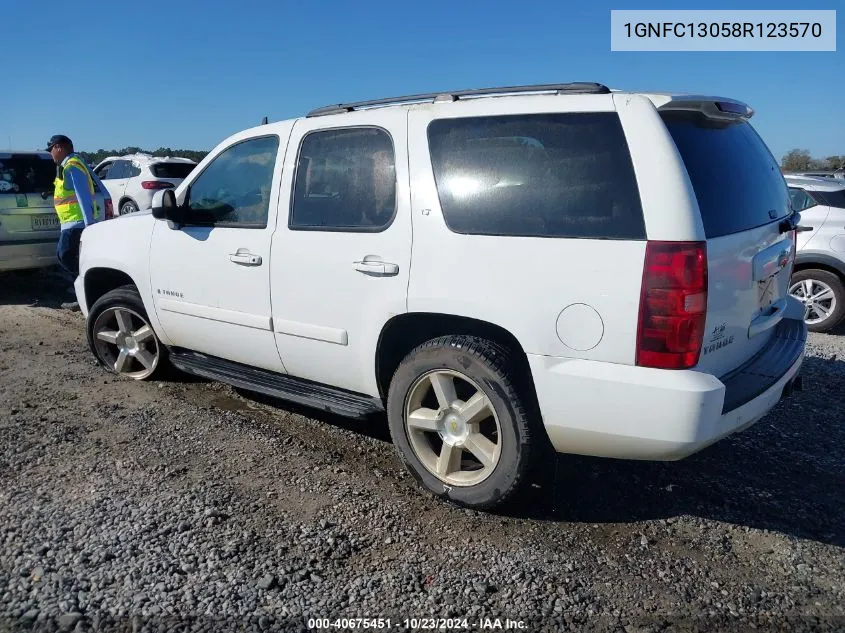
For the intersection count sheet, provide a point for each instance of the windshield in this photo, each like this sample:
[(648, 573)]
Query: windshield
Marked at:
[(26, 173)]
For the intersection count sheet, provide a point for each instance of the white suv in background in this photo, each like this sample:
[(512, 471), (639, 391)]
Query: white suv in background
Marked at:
[(132, 180), (560, 267), (819, 277)]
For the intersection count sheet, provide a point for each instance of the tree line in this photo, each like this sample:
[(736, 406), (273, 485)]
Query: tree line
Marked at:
[(800, 160), (95, 157)]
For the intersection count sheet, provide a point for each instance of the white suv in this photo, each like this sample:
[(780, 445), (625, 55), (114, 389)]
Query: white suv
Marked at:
[(559, 267), (819, 277), (133, 180)]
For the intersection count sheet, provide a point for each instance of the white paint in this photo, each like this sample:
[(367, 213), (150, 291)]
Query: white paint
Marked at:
[(580, 327)]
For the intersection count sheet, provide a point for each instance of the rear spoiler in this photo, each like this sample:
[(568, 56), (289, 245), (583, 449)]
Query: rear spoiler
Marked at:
[(712, 107)]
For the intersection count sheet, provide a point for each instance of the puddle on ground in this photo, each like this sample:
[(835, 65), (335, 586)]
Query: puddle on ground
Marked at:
[(229, 403)]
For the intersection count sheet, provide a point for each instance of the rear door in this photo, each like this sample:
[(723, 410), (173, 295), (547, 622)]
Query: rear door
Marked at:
[(27, 217), (342, 259), (743, 200)]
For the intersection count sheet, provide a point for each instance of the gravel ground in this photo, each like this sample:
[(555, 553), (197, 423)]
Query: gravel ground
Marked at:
[(186, 505)]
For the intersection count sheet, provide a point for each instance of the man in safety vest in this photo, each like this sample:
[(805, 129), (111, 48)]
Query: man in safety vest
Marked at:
[(74, 200)]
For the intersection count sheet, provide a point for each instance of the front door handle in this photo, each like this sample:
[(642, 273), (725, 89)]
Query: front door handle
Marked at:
[(376, 267), (245, 258)]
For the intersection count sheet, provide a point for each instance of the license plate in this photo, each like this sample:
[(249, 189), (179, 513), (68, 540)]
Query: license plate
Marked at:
[(45, 222)]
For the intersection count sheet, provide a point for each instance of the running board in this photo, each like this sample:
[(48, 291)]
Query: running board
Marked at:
[(306, 392)]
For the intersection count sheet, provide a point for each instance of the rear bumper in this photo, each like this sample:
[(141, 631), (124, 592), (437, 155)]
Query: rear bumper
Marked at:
[(628, 412), (33, 254)]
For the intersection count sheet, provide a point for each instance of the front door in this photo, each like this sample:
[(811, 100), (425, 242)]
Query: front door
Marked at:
[(342, 251), (211, 277)]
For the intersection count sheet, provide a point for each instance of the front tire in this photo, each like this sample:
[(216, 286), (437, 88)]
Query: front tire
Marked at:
[(460, 424), (121, 338), (823, 296)]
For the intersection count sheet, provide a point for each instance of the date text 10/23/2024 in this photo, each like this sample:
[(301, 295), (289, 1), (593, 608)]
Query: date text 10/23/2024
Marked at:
[(417, 624)]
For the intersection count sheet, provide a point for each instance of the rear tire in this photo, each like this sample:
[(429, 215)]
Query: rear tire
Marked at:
[(128, 207), (823, 295), (459, 422), (121, 338)]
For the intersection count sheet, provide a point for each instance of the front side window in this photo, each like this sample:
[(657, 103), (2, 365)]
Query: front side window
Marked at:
[(345, 181), (234, 190), (536, 175), (800, 200)]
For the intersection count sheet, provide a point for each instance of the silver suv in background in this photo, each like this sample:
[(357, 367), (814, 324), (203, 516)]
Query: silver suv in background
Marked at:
[(29, 226), (819, 276)]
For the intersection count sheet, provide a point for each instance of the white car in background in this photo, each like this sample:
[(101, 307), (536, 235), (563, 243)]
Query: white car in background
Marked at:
[(819, 277), (133, 179)]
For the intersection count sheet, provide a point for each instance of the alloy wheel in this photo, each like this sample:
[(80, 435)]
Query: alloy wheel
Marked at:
[(126, 343), (453, 428)]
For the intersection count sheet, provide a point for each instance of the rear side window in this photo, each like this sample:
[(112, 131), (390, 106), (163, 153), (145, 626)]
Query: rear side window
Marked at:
[(537, 175), (830, 198), (736, 180), (22, 173), (345, 181), (172, 170)]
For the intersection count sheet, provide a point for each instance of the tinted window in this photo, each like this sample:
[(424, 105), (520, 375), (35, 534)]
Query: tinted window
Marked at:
[(22, 173), (133, 170), (543, 175), (171, 170), (345, 180), (119, 169), (736, 179), (103, 171), (830, 198), (234, 189), (800, 199)]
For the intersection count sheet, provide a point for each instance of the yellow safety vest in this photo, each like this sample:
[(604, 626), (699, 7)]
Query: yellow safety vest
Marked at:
[(64, 196)]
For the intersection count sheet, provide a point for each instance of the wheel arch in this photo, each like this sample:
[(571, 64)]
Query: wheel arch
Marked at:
[(100, 280), (406, 331), (820, 261), (126, 199)]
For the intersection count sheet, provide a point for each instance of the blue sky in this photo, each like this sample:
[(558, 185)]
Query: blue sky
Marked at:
[(188, 75)]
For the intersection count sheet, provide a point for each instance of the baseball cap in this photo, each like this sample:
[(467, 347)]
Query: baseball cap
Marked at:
[(58, 138)]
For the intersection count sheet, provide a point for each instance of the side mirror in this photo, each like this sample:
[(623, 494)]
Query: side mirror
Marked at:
[(165, 207)]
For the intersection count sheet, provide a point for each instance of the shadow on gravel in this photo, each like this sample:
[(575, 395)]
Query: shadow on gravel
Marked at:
[(785, 474), (45, 288), (374, 426)]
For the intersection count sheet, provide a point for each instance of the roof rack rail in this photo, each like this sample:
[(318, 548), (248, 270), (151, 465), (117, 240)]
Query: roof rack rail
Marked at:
[(578, 87)]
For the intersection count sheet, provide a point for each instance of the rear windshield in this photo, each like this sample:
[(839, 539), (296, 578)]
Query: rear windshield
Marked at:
[(737, 181), (830, 198), (172, 170), (23, 173), (536, 175)]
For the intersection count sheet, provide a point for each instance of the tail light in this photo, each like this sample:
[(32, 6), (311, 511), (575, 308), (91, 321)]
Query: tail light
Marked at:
[(109, 209), (156, 184), (673, 305)]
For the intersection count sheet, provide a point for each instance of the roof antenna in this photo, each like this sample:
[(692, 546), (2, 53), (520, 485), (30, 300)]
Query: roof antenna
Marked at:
[(264, 121)]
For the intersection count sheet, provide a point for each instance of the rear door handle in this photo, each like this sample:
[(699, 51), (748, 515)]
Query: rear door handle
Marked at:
[(245, 258), (377, 267)]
